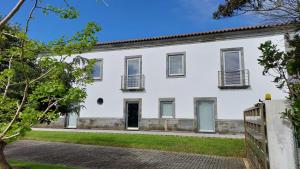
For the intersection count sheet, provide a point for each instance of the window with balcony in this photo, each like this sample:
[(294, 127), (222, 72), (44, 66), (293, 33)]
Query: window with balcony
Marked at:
[(233, 74), (97, 72), (176, 65), (133, 78)]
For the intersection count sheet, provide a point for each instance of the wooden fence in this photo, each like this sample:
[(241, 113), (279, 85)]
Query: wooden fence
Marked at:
[(256, 136)]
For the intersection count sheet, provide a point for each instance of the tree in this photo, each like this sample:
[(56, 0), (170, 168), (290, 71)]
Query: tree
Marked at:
[(283, 66), (41, 81), (275, 10)]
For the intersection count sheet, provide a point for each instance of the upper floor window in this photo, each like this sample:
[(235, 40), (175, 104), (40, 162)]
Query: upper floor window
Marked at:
[(167, 108), (233, 73), (97, 72), (176, 65), (133, 78), (133, 66)]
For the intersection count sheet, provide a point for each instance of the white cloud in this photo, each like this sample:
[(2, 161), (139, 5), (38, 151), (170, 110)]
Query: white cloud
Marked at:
[(199, 9), (200, 12)]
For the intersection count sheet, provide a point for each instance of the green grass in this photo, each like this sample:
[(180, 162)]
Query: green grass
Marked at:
[(35, 165), (199, 145)]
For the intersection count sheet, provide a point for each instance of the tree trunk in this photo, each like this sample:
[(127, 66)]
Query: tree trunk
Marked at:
[(3, 162)]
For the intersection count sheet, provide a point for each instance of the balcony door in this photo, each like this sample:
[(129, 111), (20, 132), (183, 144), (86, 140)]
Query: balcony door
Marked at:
[(133, 72), (232, 67)]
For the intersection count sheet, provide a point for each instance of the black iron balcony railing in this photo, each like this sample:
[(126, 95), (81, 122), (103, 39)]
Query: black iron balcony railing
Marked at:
[(233, 79), (133, 82)]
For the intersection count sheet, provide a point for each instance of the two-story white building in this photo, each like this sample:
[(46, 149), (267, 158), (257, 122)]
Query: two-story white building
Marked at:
[(198, 82)]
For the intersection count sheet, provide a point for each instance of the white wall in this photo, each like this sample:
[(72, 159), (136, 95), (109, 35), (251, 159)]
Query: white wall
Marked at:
[(281, 142), (202, 66)]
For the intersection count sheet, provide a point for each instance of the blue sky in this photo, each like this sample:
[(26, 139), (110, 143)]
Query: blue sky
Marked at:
[(129, 19)]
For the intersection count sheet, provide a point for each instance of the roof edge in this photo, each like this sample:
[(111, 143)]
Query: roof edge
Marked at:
[(257, 27)]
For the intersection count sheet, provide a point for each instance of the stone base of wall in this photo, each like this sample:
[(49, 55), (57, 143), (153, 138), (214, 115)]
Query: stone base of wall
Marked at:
[(229, 126), (60, 123), (167, 124), (101, 123), (222, 125)]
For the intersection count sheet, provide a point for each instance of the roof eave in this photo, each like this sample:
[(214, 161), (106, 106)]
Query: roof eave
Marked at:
[(261, 30)]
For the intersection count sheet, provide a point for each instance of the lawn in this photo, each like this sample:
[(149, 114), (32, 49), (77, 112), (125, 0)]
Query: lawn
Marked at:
[(35, 165), (199, 145)]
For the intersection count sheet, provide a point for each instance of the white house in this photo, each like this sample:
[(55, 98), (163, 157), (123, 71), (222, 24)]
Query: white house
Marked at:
[(198, 82)]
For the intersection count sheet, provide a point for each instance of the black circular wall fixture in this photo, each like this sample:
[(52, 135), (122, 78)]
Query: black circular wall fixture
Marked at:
[(100, 101)]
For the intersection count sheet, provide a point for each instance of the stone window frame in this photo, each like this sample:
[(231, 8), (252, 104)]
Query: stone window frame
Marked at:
[(125, 73), (125, 111), (196, 100), (101, 70), (242, 62), (160, 107), (168, 65), (140, 57)]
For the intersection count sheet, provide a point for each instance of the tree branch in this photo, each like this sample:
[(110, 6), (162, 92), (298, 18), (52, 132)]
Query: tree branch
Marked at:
[(25, 93), (8, 80), (11, 13), (51, 105), (11, 35), (12, 136), (42, 76), (30, 15)]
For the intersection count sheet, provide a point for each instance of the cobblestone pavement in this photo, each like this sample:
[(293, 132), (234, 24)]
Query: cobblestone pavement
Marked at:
[(89, 156)]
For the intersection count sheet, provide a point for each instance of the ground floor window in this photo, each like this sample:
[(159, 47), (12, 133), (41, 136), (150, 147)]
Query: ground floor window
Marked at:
[(167, 108)]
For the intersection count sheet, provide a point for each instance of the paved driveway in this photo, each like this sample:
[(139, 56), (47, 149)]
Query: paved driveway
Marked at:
[(89, 156)]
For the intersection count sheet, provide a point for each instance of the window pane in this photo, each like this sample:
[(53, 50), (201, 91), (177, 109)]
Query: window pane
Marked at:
[(232, 61), (176, 65), (133, 72), (206, 115), (133, 67), (97, 70), (232, 68), (167, 109)]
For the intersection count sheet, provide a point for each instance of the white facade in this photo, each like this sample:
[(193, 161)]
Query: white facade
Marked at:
[(201, 80), (203, 61)]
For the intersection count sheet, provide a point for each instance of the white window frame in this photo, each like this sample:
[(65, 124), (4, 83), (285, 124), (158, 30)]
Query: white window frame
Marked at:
[(100, 77), (139, 58), (182, 54), (161, 101), (240, 51), (139, 61)]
